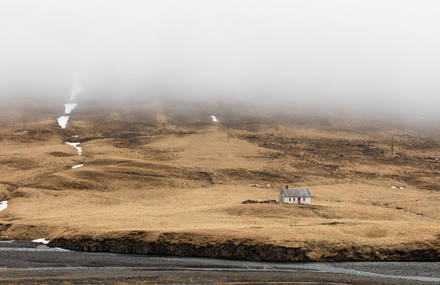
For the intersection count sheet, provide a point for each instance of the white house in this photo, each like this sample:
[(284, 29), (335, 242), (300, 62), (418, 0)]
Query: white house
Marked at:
[(295, 196)]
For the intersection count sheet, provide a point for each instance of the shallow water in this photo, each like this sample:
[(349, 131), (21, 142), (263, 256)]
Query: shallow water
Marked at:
[(397, 270), (21, 254)]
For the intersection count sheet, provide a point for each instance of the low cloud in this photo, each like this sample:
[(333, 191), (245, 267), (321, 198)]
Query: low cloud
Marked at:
[(377, 57)]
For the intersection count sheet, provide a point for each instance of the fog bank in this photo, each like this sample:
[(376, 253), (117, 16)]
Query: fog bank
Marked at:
[(377, 57)]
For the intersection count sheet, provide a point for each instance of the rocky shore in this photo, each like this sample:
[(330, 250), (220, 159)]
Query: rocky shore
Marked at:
[(192, 245)]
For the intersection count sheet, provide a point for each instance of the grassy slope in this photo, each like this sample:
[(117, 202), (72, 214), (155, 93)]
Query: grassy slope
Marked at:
[(164, 176)]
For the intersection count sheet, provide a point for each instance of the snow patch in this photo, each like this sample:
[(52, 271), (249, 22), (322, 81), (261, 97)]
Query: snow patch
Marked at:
[(76, 146), (260, 186), (214, 119), (41, 240), (398, 187), (69, 107), (78, 165), (3, 205), (62, 121)]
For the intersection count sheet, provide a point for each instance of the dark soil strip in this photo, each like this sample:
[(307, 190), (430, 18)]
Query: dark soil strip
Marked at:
[(185, 245)]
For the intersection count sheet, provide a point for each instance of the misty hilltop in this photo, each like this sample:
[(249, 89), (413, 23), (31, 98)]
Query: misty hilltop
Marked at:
[(371, 57)]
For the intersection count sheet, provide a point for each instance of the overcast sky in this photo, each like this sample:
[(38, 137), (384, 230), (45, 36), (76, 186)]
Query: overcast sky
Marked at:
[(371, 55)]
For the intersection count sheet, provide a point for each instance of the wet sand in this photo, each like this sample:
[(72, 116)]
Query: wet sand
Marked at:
[(24, 262)]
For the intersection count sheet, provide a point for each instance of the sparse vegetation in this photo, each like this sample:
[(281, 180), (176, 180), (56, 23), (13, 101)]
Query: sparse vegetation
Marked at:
[(155, 176)]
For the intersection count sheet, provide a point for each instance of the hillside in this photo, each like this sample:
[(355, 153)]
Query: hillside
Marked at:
[(151, 176)]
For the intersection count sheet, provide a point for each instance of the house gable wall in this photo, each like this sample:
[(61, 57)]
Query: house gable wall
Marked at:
[(294, 200)]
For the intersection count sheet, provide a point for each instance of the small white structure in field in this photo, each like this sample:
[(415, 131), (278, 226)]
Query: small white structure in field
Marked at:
[(295, 196)]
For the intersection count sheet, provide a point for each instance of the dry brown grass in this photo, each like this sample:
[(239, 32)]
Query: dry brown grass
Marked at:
[(156, 176)]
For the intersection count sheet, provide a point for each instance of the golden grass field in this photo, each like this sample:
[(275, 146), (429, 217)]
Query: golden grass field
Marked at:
[(162, 173)]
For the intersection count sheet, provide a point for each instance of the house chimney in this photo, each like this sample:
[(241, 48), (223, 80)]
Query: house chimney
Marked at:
[(287, 186)]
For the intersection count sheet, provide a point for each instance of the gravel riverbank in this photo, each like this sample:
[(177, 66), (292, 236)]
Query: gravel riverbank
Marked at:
[(25, 262)]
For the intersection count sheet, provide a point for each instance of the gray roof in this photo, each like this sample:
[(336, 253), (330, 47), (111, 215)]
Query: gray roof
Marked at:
[(296, 193)]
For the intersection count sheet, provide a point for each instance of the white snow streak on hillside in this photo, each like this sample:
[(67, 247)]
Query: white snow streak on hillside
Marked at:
[(76, 146), (62, 121), (69, 107), (3, 205)]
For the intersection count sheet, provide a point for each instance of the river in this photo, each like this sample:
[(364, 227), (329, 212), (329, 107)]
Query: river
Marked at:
[(26, 261)]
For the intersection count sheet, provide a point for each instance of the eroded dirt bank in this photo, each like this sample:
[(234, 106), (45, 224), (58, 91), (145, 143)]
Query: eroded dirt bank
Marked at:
[(190, 245)]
